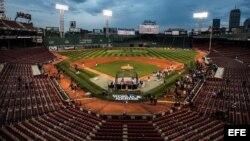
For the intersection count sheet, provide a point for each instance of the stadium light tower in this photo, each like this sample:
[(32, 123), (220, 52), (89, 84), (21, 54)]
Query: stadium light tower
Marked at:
[(107, 14), (200, 16), (210, 39), (61, 9)]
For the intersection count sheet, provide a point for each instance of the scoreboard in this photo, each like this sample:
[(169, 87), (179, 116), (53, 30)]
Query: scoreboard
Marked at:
[(149, 29), (176, 32)]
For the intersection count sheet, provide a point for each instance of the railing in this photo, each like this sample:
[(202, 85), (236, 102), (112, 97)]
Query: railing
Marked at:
[(59, 90)]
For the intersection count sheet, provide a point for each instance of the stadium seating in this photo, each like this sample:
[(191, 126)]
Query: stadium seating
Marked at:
[(233, 103), (201, 46), (12, 24), (188, 125), (8, 24), (128, 129), (2, 24), (245, 58), (229, 51), (24, 96), (31, 108), (27, 55), (234, 92), (28, 26), (66, 124)]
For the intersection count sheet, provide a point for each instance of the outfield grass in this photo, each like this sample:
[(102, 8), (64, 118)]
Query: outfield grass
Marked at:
[(178, 55), (111, 68), (127, 51)]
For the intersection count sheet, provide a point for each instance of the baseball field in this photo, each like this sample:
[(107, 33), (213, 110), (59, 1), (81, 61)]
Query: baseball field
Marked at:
[(107, 61)]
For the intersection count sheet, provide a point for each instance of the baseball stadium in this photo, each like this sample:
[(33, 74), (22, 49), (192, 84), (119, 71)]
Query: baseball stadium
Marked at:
[(121, 84)]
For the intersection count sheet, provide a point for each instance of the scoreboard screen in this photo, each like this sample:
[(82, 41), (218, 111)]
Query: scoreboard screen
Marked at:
[(149, 29), (126, 32)]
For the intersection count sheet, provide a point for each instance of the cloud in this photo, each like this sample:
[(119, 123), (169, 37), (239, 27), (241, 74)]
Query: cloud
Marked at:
[(245, 3), (100, 5), (129, 13), (245, 11)]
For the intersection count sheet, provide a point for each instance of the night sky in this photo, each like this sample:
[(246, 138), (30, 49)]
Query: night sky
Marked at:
[(128, 13)]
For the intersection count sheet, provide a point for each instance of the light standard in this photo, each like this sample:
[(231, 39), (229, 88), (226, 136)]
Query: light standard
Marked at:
[(61, 9), (200, 16), (210, 40), (107, 14)]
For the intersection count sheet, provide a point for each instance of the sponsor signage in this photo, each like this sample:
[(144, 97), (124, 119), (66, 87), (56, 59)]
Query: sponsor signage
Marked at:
[(128, 97), (85, 41)]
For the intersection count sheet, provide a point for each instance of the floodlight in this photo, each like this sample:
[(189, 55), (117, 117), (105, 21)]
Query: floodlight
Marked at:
[(200, 15), (62, 7), (107, 13)]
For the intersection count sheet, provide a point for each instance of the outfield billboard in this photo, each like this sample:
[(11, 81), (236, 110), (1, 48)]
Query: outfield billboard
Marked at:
[(52, 29), (125, 31), (78, 30), (85, 41), (97, 31), (175, 32)]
